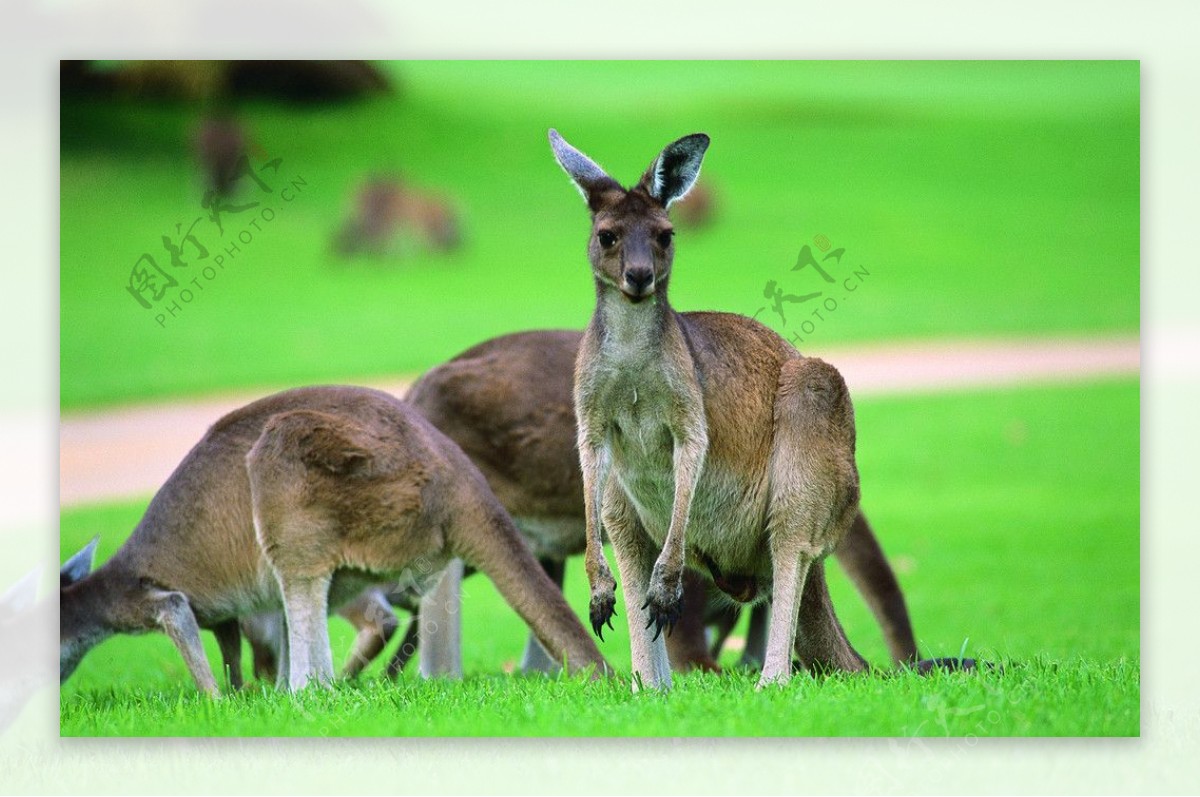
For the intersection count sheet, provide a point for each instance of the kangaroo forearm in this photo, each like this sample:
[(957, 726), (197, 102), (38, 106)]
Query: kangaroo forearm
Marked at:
[(689, 463), (591, 460)]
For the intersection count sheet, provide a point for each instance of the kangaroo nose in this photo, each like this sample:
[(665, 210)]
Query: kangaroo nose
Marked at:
[(639, 279)]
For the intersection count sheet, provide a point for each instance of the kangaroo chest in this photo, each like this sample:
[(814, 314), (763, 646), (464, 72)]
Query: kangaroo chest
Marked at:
[(724, 514), (637, 398), (638, 432), (634, 401)]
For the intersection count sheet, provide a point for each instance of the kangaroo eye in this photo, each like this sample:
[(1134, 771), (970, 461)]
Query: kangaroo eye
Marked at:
[(606, 238), (664, 238)]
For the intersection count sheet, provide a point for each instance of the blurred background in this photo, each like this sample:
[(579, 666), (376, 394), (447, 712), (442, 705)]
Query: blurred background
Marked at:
[(984, 198), (237, 227)]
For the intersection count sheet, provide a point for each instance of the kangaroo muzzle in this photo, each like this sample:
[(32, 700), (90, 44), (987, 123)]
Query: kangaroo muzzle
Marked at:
[(638, 283)]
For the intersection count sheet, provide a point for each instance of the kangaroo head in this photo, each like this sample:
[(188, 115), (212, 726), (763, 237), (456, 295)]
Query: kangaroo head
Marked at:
[(631, 245), (76, 633)]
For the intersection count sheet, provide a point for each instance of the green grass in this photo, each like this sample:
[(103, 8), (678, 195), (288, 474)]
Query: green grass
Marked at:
[(992, 198), (1037, 698), (1012, 517)]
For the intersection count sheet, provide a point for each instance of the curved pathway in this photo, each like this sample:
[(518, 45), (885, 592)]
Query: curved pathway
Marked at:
[(129, 452)]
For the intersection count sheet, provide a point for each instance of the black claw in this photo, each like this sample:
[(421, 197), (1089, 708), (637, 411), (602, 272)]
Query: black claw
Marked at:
[(609, 622), (601, 612), (662, 619)]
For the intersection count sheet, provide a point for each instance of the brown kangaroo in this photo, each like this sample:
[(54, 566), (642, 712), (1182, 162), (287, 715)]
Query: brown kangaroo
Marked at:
[(387, 209), (301, 500), (704, 438), (508, 403)]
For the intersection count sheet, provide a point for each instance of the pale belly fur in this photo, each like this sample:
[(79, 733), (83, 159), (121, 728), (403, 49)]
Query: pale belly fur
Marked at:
[(727, 522), (260, 592)]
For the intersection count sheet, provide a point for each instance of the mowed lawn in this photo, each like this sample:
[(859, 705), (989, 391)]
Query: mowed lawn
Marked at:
[(1011, 516), (981, 198)]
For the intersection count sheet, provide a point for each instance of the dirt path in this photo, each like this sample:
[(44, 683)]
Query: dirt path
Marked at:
[(130, 452)]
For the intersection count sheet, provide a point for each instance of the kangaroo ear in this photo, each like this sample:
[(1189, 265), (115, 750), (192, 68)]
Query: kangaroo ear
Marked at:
[(590, 179), (79, 565), (675, 170)]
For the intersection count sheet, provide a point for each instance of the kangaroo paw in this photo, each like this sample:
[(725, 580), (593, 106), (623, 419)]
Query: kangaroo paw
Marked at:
[(602, 610), (664, 602)]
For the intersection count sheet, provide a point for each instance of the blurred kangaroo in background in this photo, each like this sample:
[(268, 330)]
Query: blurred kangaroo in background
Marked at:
[(387, 209), (300, 501), (704, 439)]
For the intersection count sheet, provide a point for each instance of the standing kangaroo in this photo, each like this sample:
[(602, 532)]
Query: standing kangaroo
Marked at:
[(301, 500), (704, 438)]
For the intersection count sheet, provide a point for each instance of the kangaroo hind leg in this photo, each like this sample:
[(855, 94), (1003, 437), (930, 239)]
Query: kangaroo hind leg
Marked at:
[(814, 496), (375, 621), (297, 469)]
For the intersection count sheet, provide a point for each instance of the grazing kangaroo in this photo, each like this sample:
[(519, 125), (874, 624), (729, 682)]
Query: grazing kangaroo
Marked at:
[(704, 438), (387, 209), (302, 500)]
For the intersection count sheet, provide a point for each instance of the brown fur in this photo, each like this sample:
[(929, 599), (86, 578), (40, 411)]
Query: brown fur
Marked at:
[(319, 491), (508, 403)]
